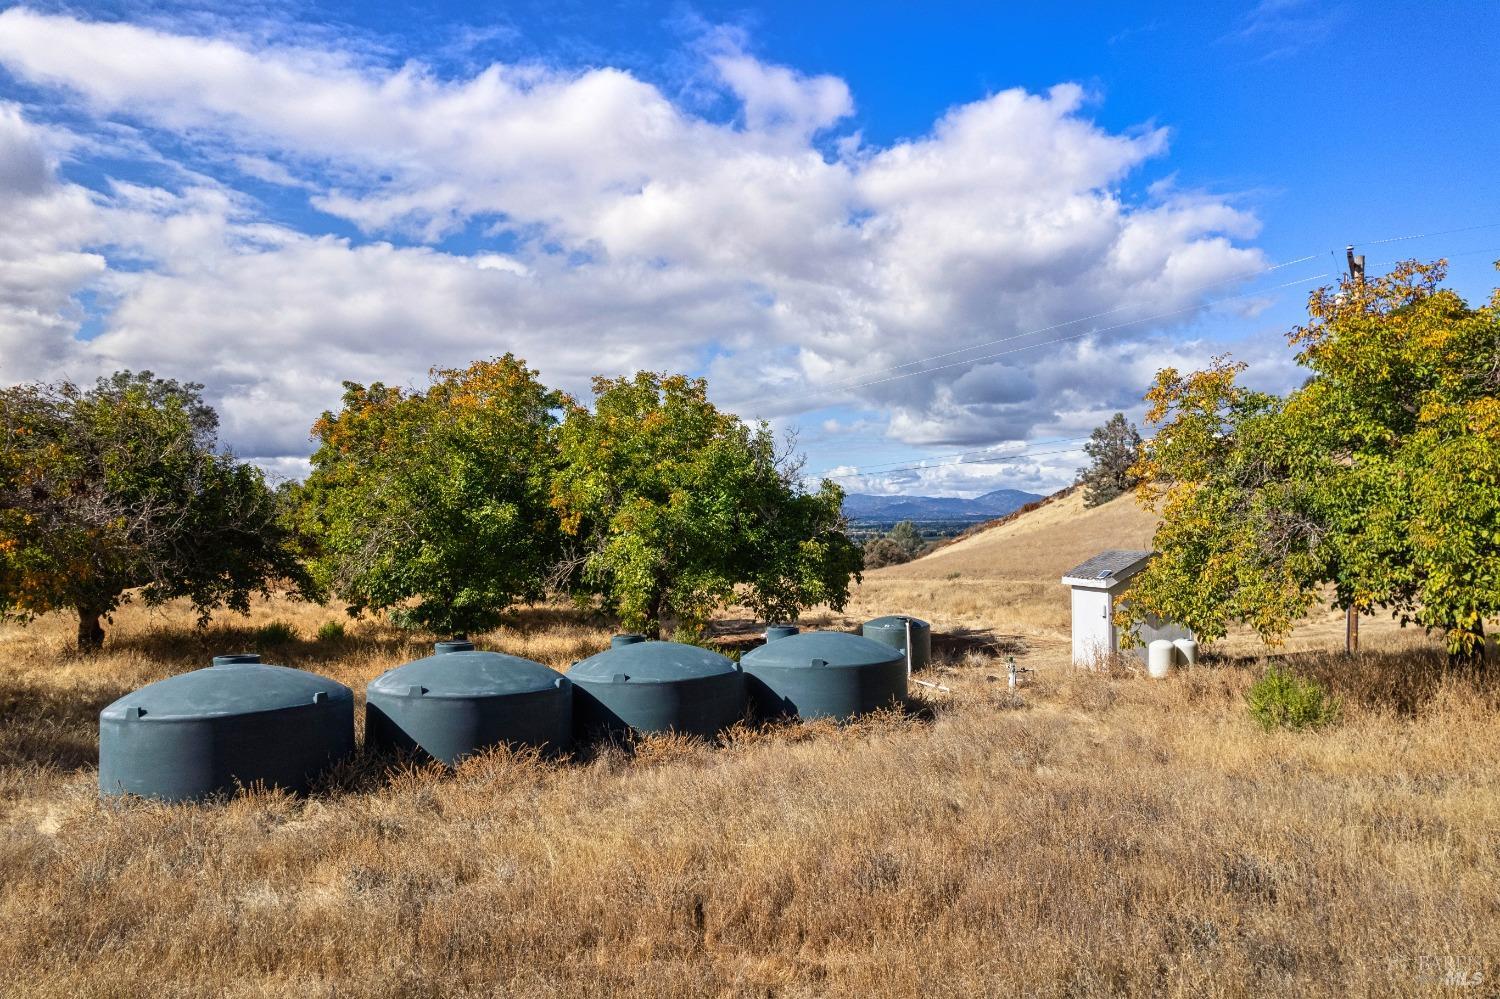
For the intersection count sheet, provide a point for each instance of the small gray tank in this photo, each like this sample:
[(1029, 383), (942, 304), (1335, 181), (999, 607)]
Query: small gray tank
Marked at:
[(656, 687), (891, 630), (236, 723), (452, 704), (824, 674)]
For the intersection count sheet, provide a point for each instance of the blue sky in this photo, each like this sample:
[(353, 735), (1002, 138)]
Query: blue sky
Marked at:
[(853, 219)]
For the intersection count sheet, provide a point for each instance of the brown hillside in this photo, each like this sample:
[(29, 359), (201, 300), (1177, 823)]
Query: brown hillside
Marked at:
[(1000, 585), (1004, 580), (1038, 545)]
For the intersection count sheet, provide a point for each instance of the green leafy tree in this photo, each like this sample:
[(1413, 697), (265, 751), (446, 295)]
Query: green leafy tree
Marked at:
[(900, 545), (793, 549), (672, 507), (1236, 542), (433, 506), (1113, 448), (119, 487), (882, 551), (1380, 476), (909, 538)]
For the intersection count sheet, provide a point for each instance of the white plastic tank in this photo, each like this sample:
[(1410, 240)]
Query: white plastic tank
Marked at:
[(1187, 652), (1159, 656)]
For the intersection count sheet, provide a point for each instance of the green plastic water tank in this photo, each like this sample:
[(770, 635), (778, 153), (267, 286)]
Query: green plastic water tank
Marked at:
[(656, 687), (824, 674), (236, 723), (452, 704), (891, 630)]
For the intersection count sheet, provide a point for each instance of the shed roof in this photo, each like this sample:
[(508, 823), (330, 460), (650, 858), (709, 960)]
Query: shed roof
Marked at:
[(1108, 568)]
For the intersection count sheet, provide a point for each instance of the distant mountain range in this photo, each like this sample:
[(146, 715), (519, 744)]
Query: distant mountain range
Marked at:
[(865, 507)]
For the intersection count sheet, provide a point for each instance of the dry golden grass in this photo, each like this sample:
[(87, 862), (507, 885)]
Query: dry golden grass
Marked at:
[(1001, 584), (1096, 834), (1039, 546), (1004, 582)]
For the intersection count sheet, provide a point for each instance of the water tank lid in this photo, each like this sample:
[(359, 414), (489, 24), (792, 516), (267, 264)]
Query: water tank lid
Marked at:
[(453, 645), (236, 657), (651, 662), (833, 649), (466, 674), (222, 691), (896, 621)]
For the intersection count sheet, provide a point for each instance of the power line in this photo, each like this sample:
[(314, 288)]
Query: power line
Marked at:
[(1070, 322), (1002, 459), (1447, 256), (883, 469), (1426, 235), (962, 454), (1027, 454), (1109, 312), (1088, 333), (922, 463)]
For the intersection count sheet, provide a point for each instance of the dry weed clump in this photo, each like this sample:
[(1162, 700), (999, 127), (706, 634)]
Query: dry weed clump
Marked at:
[(1090, 833)]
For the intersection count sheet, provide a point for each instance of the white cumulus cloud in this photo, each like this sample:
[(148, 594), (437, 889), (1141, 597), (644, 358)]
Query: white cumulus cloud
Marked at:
[(793, 263)]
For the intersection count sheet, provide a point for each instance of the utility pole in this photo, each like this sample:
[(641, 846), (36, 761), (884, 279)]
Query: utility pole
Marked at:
[(1351, 616)]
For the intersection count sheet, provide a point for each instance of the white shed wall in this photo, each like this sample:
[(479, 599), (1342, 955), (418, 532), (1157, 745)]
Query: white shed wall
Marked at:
[(1093, 631)]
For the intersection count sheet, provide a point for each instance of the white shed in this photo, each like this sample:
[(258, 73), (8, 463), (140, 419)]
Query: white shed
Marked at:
[(1096, 587)]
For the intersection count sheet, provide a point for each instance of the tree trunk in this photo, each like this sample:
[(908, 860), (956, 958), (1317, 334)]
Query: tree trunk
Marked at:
[(90, 631), (653, 613)]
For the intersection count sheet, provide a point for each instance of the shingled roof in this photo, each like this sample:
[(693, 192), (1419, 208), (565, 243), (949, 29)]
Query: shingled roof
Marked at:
[(1108, 567)]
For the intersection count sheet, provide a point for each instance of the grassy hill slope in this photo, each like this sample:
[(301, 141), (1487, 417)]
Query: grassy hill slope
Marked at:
[(999, 585), (1004, 581), (1040, 544)]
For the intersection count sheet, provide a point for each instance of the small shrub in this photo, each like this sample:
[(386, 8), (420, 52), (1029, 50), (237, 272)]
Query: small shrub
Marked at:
[(690, 633), (881, 552), (331, 631), (686, 634), (1281, 699), (275, 633)]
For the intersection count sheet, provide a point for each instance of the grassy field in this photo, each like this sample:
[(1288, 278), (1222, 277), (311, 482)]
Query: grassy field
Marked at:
[(1096, 834)]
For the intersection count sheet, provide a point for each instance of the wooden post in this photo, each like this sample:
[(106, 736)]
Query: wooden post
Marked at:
[(1351, 616), (1356, 265)]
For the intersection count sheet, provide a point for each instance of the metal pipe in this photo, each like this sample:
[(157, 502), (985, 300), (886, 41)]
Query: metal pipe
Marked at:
[(908, 648)]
